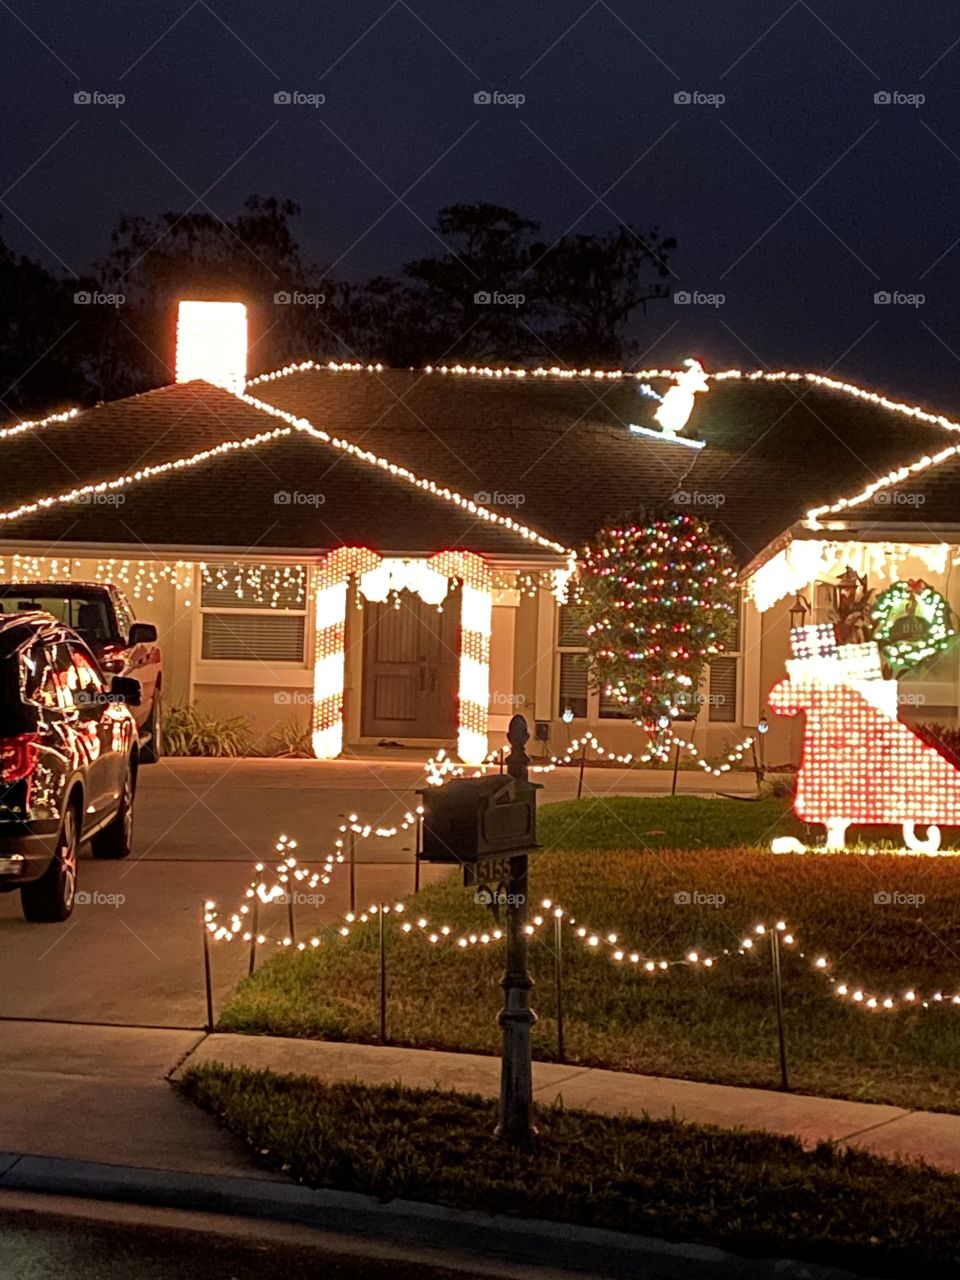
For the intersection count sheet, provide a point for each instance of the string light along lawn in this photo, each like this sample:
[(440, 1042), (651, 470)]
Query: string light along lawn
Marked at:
[(886, 928)]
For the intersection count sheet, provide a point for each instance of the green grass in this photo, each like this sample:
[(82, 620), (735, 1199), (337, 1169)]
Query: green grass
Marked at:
[(753, 1193), (716, 1025)]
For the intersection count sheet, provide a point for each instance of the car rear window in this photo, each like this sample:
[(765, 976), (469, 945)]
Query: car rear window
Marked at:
[(90, 617), (9, 681)]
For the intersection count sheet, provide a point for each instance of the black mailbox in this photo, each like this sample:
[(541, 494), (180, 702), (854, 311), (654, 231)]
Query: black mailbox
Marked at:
[(467, 819)]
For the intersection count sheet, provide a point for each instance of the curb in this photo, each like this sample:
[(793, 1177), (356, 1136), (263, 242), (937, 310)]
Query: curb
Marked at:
[(603, 1254)]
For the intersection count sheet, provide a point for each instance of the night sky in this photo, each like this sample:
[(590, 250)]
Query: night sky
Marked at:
[(798, 199)]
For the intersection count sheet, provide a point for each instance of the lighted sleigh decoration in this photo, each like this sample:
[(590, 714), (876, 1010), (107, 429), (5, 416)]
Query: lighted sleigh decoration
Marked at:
[(860, 764)]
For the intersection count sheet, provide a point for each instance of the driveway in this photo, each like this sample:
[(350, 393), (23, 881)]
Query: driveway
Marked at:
[(132, 954)]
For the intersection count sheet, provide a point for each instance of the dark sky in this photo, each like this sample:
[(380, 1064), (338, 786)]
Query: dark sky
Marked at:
[(799, 198)]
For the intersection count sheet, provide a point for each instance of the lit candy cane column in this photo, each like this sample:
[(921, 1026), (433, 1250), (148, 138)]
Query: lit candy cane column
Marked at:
[(476, 617), (332, 576)]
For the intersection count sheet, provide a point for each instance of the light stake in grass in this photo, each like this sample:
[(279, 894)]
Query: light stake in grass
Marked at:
[(383, 974), (208, 982), (778, 993)]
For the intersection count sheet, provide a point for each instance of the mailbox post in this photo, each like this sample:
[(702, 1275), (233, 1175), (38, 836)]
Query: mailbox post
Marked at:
[(488, 825)]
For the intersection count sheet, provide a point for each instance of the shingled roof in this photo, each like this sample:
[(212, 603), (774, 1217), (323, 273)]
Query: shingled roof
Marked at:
[(774, 449), (291, 493), (554, 453)]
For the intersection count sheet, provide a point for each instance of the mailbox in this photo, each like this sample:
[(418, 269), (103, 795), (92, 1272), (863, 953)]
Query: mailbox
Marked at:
[(469, 819)]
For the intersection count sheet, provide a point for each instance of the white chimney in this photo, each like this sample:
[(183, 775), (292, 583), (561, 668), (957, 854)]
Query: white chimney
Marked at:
[(212, 344)]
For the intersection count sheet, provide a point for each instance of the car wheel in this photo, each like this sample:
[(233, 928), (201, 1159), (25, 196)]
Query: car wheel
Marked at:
[(50, 899), (116, 838), (152, 750)]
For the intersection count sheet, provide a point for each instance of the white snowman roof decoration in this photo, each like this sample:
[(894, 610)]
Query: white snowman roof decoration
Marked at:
[(676, 405)]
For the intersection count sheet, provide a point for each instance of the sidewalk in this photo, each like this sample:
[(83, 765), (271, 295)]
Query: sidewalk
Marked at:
[(883, 1130)]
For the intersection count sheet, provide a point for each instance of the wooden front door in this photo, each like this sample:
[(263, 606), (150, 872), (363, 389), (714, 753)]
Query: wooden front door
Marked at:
[(411, 665)]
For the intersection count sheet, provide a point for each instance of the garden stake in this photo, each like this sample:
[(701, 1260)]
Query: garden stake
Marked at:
[(583, 761), (558, 972), (206, 969), (778, 990), (255, 923), (676, 766), (417, 849), (290, 921), (353, 872), (383, 977), (756, 766)]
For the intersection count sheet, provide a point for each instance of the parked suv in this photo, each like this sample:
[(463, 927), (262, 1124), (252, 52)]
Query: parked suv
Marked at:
[(122, 646), (69, 752)]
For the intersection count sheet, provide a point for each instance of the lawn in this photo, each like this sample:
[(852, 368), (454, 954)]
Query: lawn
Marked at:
[(655, 872), (753, 1193)]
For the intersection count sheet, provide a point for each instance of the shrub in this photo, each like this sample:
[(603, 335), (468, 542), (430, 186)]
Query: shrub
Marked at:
[(187, 731)]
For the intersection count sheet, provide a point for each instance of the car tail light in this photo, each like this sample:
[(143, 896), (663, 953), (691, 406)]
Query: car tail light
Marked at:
[(18, 755), (112, 660)]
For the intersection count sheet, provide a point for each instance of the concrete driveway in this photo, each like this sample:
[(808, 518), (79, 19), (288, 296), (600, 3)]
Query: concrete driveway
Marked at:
[(132, 954)]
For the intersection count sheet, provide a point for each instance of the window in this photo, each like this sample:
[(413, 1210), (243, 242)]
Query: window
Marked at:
[(253, 613), (724, 676), (573, 662)]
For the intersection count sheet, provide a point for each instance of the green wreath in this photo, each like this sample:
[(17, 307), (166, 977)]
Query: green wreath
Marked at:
[(913, 622)]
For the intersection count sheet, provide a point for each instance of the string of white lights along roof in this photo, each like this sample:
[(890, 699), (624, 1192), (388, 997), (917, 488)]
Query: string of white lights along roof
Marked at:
[(613, 375), (403, 473), (143, 473), (594, 940), (19, 428)]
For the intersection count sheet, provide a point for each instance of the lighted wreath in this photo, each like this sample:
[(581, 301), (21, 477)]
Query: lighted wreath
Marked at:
[(659, 599), (912, 623)]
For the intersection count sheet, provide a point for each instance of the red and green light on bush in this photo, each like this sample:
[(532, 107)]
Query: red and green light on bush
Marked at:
[(660, 600)]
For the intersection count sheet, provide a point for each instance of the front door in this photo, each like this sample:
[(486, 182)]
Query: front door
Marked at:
[(410, 668)]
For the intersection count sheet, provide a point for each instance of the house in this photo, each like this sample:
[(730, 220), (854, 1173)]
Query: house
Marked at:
[(383, 554)]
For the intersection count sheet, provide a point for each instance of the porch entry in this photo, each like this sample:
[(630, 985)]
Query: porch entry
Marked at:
[(411, 658)]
